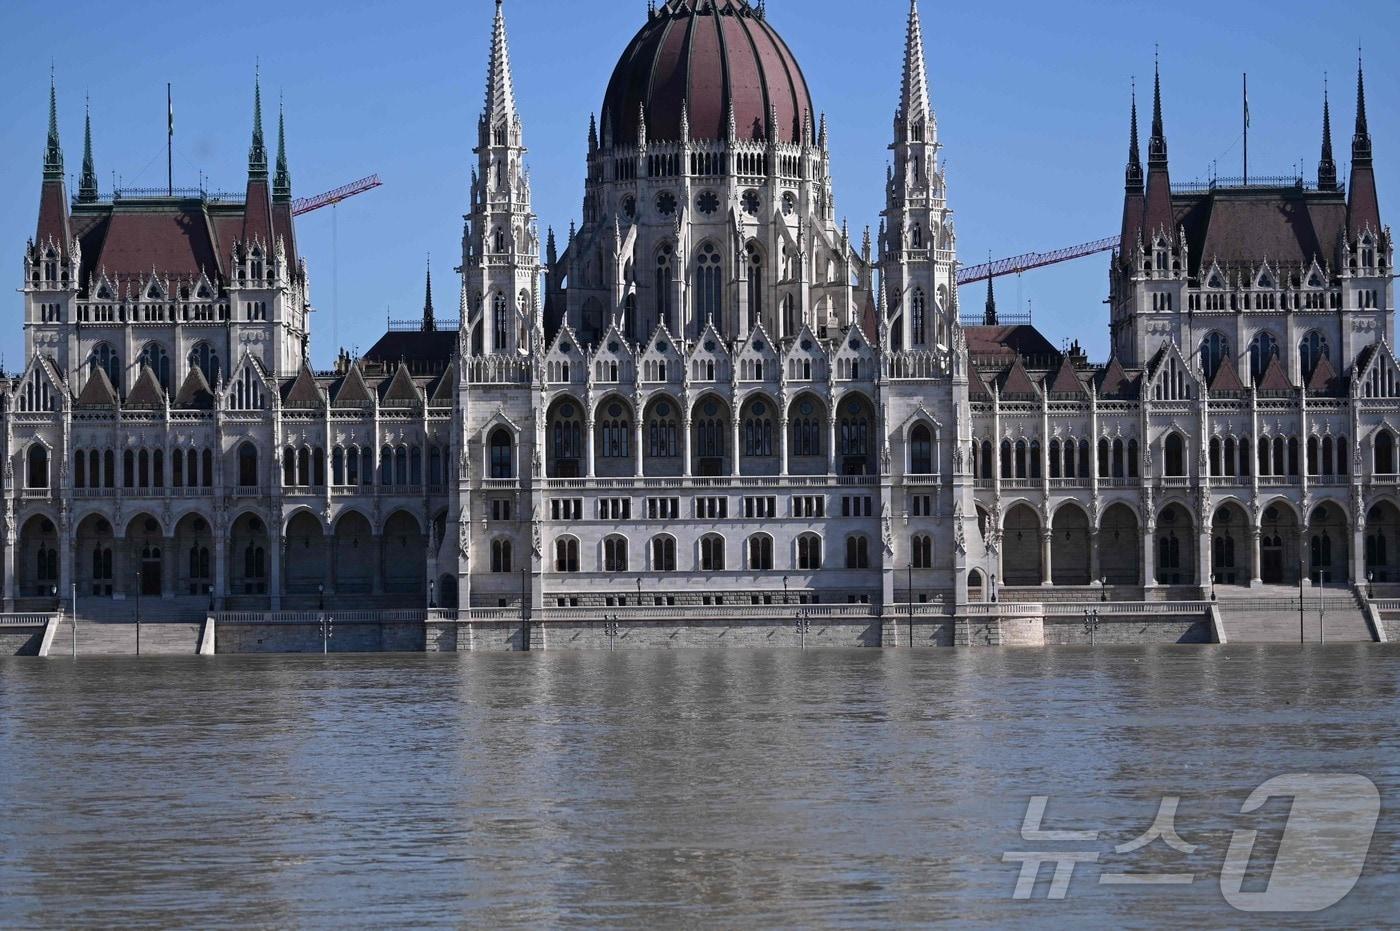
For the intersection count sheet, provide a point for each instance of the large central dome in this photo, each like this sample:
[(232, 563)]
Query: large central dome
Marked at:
[(709, 55)]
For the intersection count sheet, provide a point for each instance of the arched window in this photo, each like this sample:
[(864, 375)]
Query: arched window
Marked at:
[(615, 554), (755, 284), (709, 286), (206, 359), (155, 356), (247, 465), (758, 430), (500, 555), (760, 552), (921, 552), (566, 555), (38, 471), (712, 553), (1214, 350), (916, 236), (809, 551), (615, 432), (921, 450), (498, 241), (1312, 350), (663, 554), (1385, 453), (502, 464), (790, 326), (857, 552), (1174, 454), (500, 322), (916, 320), (1262, 350), (663, 286), (104, 357)]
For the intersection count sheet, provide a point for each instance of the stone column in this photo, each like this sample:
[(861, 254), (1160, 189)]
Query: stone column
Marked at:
[(783, 447), (67, 544), (169, 565), (734, 441), (1095, 569), (831, 443), (685, 447), (588, 441), (274, 572), (328, 570), (9, 572), (641, 468), (220, 569), (377, 542), (1149, 557), (1358, 554), (1047, 540), (1256, 560)]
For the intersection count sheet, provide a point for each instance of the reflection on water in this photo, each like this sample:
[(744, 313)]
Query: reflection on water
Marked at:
[(820, 788)]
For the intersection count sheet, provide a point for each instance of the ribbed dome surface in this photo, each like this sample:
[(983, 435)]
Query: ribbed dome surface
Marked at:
[(708, 54)]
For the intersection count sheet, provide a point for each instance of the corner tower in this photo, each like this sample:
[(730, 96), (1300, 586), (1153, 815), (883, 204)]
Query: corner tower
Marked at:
[(918, 253), (500, 241)]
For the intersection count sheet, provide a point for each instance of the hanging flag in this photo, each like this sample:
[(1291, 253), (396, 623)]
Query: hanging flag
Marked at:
[(1246, 101), (169, 112)]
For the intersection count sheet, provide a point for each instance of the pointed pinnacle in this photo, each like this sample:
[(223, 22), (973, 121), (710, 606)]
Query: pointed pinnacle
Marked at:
[(53, 150)]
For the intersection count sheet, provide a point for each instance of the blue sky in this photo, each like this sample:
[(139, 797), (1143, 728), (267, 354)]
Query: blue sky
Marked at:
[(1032, 100)]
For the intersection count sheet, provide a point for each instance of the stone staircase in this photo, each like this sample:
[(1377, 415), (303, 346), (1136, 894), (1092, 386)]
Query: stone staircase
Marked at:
[(97, 638), (1270, 615)]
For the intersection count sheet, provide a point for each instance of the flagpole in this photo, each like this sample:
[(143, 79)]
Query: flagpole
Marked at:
[(169, 143), (1246, 130)]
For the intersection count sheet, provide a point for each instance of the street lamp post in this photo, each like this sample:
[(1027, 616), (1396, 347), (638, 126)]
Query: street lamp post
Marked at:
[(785, 589), (639, 591), (138, 612), (1091, 625), (432, 594), (325, 627), (1370, 589), (911, 602), (75, 620), (994, 588), (1212, 586), (1302, 568), (1103, 589)]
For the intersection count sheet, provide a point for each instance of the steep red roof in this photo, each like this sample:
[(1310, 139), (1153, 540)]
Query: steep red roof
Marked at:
[(352, 391), (708, 55), (1274, 377), (977, 389), (53, 217), (1115, 383), (146, 392), (169, 237), (1016, 382), (1066, 382), (1021, 339), (98, 392), (1247, 226), (195, 393), (1226, 380), (257, 215), (1324, 379)]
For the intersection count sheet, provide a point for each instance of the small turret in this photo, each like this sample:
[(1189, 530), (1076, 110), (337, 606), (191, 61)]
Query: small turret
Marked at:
[(282, 181), (429, 321), (257, 150), (1327, 164)]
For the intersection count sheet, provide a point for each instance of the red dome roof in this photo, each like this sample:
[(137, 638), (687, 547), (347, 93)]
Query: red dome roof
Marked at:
[(708, 54)]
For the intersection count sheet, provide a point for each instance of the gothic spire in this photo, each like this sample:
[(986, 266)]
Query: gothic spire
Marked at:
[(989, 315), (257, 152), (1159, 216), (429, 323), (1134, 174), (1363, 205), (1157, 147), (282, 181), (87, 184), (53, 151), (500, 89), (1361, 141), (913, 98), (1327, 164)]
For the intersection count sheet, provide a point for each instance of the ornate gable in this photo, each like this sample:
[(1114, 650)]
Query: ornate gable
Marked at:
[(756, 357), (805, 359), (855, 357), (564, 362), (662, 361)]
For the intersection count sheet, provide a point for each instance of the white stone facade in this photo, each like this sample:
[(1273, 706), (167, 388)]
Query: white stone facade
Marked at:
[(714, 397)]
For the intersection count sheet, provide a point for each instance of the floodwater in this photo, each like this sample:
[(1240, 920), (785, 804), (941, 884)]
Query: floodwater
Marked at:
[(727, 789)]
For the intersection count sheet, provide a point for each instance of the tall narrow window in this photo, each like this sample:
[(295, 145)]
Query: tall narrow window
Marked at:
[(663, 287), (755, 285), (709, 286)]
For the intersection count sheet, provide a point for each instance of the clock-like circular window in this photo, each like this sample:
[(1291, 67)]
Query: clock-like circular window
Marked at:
[(707, 203)]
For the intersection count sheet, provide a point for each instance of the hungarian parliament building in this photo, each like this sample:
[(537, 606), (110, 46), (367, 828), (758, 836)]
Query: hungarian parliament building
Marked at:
[(709, 391)]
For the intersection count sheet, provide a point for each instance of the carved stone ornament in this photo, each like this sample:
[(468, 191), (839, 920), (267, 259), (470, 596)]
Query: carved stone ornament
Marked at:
[(464, 542), (887, 531), (959, 534)]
